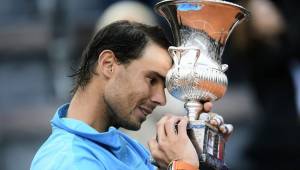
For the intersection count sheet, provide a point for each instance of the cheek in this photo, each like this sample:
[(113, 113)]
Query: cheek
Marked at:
[(131, 90), (137, 94), (143, 88), (134, 97), (125, 95)]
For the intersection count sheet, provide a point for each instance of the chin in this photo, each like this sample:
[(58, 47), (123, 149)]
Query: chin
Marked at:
[(133, 126)]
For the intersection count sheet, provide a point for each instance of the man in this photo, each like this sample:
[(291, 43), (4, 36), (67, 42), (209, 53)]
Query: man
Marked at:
[(119, 83)]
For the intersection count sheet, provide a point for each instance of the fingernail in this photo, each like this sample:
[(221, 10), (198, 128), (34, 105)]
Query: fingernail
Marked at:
[(213, 122), (223, 129)]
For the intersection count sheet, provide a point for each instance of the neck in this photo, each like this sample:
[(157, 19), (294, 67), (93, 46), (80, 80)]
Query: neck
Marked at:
[(89, 108)]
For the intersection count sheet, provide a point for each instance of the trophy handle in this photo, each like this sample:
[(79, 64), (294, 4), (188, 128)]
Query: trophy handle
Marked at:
[(224, 67), (173, 51)]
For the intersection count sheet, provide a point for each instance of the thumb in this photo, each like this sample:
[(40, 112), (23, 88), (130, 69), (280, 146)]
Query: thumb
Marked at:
[(182, 126)]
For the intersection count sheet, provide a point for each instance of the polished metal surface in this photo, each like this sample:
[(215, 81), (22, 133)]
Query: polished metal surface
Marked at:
[(200, 29)]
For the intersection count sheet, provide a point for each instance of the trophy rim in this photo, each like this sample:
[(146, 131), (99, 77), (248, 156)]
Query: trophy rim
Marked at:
[(158, 5)]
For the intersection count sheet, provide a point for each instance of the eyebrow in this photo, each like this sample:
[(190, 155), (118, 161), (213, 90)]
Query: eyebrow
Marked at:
[(158, 75)]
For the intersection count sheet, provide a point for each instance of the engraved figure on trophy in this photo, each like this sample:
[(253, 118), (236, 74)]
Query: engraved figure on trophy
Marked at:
[(200, 29)]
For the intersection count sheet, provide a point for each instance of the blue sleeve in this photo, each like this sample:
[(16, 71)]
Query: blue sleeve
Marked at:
[(68, 161), (65, 157), (80, 162)]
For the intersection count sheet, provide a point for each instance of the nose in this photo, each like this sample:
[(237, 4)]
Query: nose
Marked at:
[(158, 96)]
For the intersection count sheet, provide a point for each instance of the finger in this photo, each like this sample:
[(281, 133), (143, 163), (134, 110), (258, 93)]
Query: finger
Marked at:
[(157, 156), (160, 128), (217, 120), (153, 146), (182, 126), (152, 143), (207, 106), (226, 129), (170, 126)]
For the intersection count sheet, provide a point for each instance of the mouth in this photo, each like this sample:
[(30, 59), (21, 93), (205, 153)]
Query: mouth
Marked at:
[(146, 110)]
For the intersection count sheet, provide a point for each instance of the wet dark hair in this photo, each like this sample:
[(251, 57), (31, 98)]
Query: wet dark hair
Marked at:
[(125, 39)]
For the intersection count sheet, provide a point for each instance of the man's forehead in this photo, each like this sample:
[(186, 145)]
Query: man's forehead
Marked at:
[(155, 61), (158, 53), (159, 62)]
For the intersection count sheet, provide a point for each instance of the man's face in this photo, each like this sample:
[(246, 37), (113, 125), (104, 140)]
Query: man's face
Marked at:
[(136, 89)]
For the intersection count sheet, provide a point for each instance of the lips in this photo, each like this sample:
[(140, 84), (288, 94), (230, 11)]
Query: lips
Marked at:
[(146, 110)]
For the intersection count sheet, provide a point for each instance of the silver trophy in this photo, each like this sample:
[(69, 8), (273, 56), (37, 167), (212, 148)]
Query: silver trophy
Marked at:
[(200, 29)]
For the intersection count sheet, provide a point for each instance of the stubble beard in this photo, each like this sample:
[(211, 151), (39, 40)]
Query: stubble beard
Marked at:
[(118, 121)]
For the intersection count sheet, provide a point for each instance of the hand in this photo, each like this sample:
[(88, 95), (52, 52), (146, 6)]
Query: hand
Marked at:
[(170, 144), (218, 122)]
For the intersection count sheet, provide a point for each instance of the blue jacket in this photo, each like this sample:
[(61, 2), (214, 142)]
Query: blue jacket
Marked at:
[(74, 145)]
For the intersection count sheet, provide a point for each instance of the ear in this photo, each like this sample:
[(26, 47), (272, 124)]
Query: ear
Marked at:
[(107, 63)]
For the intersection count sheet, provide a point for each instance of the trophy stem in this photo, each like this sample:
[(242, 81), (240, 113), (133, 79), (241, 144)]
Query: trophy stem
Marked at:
[(193, 109)]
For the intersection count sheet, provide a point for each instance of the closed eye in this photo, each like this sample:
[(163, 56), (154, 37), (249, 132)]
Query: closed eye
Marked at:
[(154, 77), (151, 80)]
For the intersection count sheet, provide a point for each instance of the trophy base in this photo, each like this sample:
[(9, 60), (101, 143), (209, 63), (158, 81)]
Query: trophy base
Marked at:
[(209, 144)]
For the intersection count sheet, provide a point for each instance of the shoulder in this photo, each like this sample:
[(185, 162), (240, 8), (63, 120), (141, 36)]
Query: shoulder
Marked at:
[(65, 161), (66, 152)]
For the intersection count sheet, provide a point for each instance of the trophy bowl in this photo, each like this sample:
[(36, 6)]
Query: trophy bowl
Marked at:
[(200, 30)]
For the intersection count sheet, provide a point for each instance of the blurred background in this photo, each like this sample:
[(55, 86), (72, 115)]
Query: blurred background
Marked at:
[(41, 42)]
